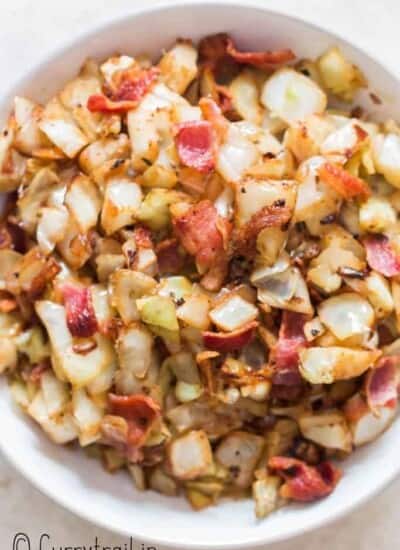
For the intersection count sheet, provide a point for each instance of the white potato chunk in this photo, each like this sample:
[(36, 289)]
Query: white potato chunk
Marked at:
[(190, 455), (292, 96)]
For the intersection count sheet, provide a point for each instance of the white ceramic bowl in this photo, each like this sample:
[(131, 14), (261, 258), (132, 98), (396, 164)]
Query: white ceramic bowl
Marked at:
[(80, 484)]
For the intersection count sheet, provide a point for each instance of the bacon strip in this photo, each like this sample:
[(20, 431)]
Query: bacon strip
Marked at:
[(244, 242), (81, 318), (133, 86), (345, 184), (381, 384), (196, 145), (198, 230), (381, 256), (262, 60), (285, 356), (215, 48), (230, 341), (213, 114), (302, 482), (131, 419)]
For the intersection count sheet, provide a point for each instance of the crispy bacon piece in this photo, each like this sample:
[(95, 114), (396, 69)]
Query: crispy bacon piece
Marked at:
[(230, 341), (143, 237), (199, 231), (169, 258), (262, 60), (215, 48), (302, 482), (244, 241), (381, 256), (134, 84), (81, 318), (129, 423), (38, 284), (285, 356), (382, 382), (196, 145), (345, 184)]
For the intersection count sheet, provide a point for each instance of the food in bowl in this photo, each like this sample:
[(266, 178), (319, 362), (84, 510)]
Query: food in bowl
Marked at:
[(199, 269)]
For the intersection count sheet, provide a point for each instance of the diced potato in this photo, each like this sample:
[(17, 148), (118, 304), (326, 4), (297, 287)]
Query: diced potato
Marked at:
[(324, 365), (292, 96), (233, 313), (178, 66), (377, 215), (60, 128), (240, 452), (190, 456), (329, 429), (338, 75), (121, 206)]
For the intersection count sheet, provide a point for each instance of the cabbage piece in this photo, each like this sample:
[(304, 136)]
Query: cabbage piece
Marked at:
[(8, 354), (61, 429), (154, 210), (324, 365), (102, 151), (12, 164), (292, 96), (304, 138), (60, 127), (239, 452), (194, 311), (55, 393), (233, 313), (78, 369), (190, 455), (84, 201), (51, 228), (236, 155), (178, 66), (338, 75), (126, 286), (386, 156), (88, 417), (329, 429), (158, 311), (245, 96), (122, 203), (176, 287), (347, 315), (32, 343), (134, 347), (29, 139), (377, 215), (35, 196), (252, 195), (266, 495)]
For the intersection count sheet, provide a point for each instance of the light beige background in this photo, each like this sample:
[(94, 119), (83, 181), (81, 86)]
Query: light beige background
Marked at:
[(29, 30)]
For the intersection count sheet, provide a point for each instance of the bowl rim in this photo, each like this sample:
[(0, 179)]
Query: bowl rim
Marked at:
[(22, 466)]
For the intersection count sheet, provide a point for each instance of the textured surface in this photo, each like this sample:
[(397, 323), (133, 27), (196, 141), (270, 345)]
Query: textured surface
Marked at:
[(29, 31)]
